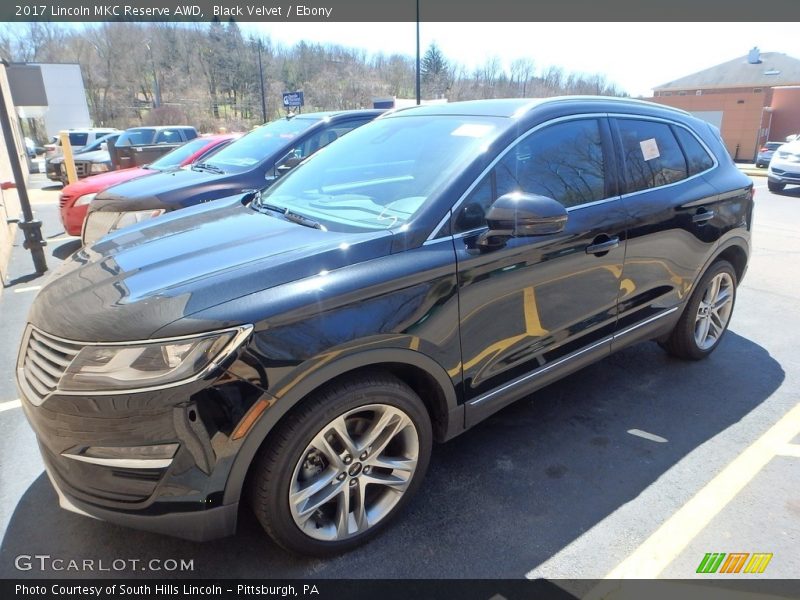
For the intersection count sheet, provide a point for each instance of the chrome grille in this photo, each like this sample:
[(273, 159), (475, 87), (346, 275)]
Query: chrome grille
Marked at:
[(44, 360), (82, 168)]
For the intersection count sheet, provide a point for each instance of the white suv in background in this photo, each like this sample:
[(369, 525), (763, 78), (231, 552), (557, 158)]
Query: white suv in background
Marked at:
[(784, 168), (78, 138)]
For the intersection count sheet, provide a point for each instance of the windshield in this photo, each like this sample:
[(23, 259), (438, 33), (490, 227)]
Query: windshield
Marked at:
[(380, 175), (96, 145), (260, 143), (136, 137), (178, 156)]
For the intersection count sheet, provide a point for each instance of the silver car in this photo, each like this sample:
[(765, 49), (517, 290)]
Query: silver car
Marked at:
[(765, 154), (784, 168)]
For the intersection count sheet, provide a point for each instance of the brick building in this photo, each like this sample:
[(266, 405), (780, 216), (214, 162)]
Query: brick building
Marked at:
[(752, 99)]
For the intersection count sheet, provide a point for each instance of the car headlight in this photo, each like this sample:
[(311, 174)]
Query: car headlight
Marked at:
[(85, 199), (98, 168), (137, 216), (100, 223), (143, 365)]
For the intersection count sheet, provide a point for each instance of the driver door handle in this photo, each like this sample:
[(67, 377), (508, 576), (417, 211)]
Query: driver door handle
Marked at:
[(702, 216), (600, 247)]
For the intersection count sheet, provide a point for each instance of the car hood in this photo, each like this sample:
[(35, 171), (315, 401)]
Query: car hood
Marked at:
[(136, 281), (94, 156), (97, 183), (793, 147), (169, 187)]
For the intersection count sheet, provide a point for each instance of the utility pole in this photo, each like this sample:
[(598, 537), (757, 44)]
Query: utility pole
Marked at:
[(419, 92), (30, 228), (156, 87), (261, 81)]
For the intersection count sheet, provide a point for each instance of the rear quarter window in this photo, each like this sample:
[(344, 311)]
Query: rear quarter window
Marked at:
[(697, 159), (78, 139)]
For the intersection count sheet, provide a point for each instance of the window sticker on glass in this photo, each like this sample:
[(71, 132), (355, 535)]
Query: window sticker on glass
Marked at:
[(473, 130), (649, 149)]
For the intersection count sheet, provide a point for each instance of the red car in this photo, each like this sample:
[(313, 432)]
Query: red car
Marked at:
[(75, 197)]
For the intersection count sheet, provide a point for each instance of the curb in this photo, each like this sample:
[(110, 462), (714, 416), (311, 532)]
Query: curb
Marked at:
[(754, 172)]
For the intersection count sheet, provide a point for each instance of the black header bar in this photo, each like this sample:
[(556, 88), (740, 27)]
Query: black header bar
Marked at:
[(84, 11)]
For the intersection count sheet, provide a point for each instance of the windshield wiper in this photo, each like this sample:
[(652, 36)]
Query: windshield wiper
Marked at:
[(302, 220), (207, 167), (288, 214)]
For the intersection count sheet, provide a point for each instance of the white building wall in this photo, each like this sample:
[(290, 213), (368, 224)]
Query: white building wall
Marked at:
[(66, 98)]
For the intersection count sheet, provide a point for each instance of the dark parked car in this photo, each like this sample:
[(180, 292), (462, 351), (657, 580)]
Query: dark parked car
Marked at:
[(766, 152), (257, 158), (303, 347), (140, 146), (89, 160)]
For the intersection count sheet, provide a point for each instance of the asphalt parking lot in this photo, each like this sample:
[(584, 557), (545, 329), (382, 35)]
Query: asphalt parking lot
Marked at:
[(636, 466)]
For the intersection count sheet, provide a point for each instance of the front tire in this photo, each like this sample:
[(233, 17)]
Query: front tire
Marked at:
[(337, 471), (706, 316), (775, 187)]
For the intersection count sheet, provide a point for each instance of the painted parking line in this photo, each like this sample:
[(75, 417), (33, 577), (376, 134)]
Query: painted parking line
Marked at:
[(31, 288), (648, 436), (11, 404), (675, 534)]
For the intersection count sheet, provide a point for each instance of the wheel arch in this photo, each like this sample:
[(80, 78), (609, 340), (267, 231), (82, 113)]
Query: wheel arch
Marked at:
[(736, 251), (424, 375)]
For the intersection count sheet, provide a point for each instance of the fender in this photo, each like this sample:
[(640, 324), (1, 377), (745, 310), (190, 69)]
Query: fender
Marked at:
[(735, 240), (453, 413)]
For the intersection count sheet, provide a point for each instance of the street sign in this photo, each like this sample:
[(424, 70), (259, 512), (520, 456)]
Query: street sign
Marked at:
[(293, 99)]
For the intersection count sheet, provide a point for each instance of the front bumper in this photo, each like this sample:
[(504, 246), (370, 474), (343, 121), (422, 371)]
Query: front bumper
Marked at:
[(81, 435), (197, 526), (784, 173)]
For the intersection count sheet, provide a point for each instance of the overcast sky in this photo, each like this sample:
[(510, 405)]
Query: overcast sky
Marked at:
[(635, 56)]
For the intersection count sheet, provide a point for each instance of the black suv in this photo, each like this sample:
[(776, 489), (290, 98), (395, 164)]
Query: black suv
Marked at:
[(304, 346)]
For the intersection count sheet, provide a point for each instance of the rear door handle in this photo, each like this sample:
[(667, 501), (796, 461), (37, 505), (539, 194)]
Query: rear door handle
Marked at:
[(702, 217), (601, 247)]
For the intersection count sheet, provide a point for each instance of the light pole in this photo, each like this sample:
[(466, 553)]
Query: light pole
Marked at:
[(419, 93), (156, 87), (261, 81)]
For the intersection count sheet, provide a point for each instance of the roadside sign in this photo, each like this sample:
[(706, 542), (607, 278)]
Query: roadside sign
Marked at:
[(293, 99)]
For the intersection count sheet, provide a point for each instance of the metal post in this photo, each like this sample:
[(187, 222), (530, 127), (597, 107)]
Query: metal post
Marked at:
[(69, 159), (261, 80), (419, 92), (31, 229), (156, 86)]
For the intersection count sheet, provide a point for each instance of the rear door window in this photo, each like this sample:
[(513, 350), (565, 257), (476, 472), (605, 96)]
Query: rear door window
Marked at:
[(651, 154)]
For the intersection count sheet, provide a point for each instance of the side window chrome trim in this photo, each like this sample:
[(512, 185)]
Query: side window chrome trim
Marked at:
[(675, 124), (500, 156)]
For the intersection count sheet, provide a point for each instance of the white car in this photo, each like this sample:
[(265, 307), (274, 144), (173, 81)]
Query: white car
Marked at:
[(784, 168)]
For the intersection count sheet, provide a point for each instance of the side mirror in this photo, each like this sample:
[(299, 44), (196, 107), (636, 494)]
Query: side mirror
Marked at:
[(283, 165), (104, 146), (522, 215)]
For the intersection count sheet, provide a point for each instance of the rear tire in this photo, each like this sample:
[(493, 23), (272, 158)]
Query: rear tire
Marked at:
[(338, 470), (775, 187), (705, 319)]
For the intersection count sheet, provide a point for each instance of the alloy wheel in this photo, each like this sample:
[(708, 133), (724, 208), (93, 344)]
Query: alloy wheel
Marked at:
[(353, 472), (714, 311)]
